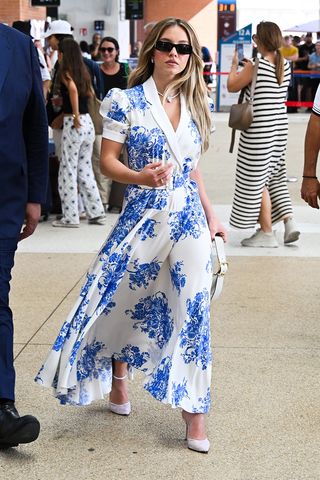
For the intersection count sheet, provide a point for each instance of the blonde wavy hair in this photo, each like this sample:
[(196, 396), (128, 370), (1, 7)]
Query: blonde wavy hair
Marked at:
[(190, 81), (270, 37)]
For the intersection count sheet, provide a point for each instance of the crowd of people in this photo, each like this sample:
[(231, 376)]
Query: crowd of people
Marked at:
[(304, 59), (143, 305)]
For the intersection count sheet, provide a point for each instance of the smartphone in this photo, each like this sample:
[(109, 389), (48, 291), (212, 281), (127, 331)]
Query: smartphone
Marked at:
[(239, 48)]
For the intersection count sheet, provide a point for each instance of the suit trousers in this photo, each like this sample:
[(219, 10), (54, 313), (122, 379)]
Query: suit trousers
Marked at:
[(7, 373)]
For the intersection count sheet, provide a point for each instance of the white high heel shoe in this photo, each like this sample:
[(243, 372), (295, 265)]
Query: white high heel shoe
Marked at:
[(124, 408), (201, 446)]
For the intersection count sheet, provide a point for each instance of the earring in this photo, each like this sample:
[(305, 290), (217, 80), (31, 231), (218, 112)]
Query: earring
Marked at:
[(152, 60)]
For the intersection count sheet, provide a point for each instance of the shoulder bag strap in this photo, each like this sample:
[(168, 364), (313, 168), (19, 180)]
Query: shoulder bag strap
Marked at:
[(254, 79)]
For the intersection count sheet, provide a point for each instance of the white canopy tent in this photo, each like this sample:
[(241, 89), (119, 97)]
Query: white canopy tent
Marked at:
[(313, 26)]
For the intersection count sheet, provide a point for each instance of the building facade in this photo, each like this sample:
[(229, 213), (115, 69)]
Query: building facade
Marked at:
[(82, 14), (11, 10)]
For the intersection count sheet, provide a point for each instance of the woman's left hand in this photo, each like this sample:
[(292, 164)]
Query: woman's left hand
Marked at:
[(216, 228), (76, 123)]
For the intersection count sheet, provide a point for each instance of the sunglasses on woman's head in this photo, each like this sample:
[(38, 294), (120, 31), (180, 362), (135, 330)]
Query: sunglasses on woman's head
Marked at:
[(181, 48), (106, 49)]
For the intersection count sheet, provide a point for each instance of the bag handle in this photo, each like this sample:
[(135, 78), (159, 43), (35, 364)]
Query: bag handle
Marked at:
[(218, 277), (241, 97)]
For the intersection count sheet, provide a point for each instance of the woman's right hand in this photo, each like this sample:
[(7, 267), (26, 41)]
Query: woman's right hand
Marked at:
[(155, 174), (76, 122), (235, 59)]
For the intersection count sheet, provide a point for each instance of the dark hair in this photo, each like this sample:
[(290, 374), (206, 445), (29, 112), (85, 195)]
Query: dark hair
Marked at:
[(206, 57), (62, 36), (84, 47), (22, 26), (72, 65), (269, 35), (115, 43)]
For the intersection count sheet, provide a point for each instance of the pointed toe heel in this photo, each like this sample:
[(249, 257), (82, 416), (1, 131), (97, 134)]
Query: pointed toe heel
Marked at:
[(124, 409), (201, 446)]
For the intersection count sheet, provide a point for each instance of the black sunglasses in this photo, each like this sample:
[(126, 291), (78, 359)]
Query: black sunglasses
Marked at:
[(106, 49), (181, 48)]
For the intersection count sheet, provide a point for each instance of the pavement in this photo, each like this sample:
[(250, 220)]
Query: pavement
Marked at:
[(265, 418)]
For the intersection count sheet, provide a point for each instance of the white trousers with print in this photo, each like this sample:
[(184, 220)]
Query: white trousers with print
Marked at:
[(76, 172)]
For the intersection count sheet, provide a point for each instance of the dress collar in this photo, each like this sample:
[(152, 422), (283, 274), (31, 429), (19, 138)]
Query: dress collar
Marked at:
[(162, 119)]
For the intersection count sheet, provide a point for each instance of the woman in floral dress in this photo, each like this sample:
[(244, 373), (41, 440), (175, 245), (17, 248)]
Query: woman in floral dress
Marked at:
[(146, 300)]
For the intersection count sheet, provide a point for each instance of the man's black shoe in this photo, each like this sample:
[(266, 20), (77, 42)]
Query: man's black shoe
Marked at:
[(15, 429)]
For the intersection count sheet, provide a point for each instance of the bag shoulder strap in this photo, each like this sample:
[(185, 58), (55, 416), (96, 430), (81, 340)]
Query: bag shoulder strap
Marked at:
[(241, 97), (254, 79), (126, 69), (233, 138)]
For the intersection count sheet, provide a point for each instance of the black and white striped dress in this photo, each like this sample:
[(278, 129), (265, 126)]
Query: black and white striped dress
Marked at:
[(261, 152)]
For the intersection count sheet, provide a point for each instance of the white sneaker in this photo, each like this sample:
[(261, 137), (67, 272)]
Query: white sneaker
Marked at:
[(261, 239), (63, 223), (98, 220), (291, 233)]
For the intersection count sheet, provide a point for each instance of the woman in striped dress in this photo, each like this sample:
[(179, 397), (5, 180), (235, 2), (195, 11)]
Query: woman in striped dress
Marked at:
[(261, 192)]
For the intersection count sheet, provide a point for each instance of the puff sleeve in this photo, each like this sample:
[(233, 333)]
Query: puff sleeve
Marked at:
[(114, 110)]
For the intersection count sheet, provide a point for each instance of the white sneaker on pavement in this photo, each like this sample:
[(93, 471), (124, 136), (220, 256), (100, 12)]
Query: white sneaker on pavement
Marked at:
[(63, 223), (291, 233), (101, 220), (261, 239)]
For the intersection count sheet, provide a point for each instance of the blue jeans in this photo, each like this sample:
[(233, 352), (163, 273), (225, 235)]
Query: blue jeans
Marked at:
[(7, 373)]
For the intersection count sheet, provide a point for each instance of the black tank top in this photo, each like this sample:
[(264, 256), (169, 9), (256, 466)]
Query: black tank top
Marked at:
[(67, 108), (118, 80)]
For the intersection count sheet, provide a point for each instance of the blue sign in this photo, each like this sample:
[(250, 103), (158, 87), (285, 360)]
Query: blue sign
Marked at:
[(227, 2), (244, 35)]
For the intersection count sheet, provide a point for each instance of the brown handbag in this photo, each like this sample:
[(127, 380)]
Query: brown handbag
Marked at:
[(94, 111), (241, 113)]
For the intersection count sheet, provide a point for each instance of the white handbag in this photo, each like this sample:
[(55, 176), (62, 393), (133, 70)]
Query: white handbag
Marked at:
[(219, 271)]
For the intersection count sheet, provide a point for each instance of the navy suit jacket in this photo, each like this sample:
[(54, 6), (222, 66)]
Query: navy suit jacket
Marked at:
[(23, 131)]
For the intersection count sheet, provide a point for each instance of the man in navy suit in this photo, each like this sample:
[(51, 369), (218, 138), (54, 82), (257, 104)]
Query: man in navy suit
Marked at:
[(23, 178)]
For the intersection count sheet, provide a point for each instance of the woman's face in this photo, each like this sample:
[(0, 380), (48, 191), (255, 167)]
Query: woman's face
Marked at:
[(108, 52), (53, 42), (171, 62), (96, 38)]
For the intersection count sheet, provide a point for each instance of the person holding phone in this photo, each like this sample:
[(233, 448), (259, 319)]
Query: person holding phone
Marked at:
[(261, 191), (240, 52)]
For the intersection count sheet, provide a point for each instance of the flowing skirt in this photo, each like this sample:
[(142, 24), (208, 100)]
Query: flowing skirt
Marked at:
[(146, 301)]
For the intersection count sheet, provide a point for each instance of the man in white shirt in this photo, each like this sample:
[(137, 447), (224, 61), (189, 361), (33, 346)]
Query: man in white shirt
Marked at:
[(45, 75), (310, 189)]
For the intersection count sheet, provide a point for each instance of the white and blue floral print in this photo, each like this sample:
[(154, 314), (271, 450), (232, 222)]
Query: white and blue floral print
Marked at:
[(145, 300)]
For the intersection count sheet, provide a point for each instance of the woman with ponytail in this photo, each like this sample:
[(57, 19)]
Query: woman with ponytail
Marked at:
[(261, 192)]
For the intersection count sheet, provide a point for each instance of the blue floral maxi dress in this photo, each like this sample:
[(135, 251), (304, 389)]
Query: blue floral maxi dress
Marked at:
[(146, 298)]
